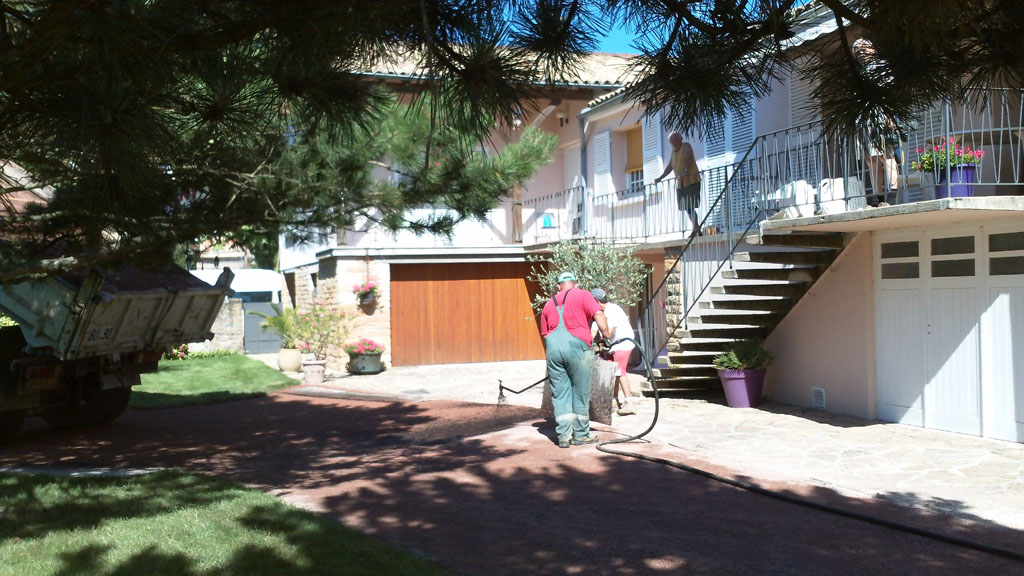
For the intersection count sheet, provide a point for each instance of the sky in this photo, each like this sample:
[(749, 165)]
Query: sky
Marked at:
[(617, 41)]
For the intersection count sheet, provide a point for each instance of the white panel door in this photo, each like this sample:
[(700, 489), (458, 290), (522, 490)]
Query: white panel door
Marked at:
[(1002, 330), (953, 395), (952, 398), (899, 329), (901, 374), (1002, 363)]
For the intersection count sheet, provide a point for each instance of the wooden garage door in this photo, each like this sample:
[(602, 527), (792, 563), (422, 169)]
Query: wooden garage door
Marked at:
[(459, 313)]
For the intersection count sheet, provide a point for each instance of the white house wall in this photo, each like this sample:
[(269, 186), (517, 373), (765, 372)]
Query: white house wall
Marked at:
[(827, 340), (499, 229)]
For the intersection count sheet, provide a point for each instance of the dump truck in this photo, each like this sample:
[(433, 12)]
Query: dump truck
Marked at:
[(83, 339)]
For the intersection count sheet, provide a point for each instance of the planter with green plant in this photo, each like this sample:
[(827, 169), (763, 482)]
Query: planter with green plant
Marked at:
[(322, 330), (948, 157), (285, 323), (364, 356), (742, 368)]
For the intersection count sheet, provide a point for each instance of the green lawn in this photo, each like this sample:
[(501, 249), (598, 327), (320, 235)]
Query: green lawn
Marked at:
[(175, 524), (206, 381)]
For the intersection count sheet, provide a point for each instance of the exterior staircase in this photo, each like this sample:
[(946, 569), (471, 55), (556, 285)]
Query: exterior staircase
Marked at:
[(744, 302)]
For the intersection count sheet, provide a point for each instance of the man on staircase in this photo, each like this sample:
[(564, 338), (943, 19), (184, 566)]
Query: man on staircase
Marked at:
[(684, 164)]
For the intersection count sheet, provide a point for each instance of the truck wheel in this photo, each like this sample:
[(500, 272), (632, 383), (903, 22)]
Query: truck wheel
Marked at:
[(102, 407), (10, 423)]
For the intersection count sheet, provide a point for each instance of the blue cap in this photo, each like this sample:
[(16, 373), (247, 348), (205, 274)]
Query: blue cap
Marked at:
[(566, 277), (600, 295)]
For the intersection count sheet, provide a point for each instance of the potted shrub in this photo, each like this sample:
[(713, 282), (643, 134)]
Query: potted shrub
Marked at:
[(962, 161), (319, 330), (284, 323), (742, 368), (366, 292), (364, 356)]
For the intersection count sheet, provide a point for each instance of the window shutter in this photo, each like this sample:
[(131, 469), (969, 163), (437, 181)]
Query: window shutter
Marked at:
[(742, 120), (802, 107), (715, 144), (602, 164), (653, 163), (571, 166)]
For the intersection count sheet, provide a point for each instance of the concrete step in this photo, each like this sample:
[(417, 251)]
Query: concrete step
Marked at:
[(805, 239), (796, 273), (815, 257), (684, 384), (690, 357), (786, 289), (751, 303), (704, 345), (748, 317), (705, 370), (723, 331)]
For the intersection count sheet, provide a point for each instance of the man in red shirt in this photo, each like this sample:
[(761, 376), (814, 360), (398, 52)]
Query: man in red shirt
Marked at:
[(565, 326)]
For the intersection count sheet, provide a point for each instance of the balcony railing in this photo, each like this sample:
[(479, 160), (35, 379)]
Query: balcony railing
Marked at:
[(804, 170)]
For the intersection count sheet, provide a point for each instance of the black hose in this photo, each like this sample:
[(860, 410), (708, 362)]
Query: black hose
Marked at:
[(603, 447)]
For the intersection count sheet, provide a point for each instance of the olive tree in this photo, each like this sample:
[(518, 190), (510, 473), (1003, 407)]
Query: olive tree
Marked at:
[(596, 265)]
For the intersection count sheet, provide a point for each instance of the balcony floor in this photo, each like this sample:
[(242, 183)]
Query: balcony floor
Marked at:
[(929, 213)]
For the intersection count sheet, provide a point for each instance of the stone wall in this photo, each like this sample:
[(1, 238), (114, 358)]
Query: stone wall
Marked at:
[(673, 297), (228, 329), (337, 277)]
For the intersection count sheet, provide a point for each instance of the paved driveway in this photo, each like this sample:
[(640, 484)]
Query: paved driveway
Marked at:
[(482, 489)]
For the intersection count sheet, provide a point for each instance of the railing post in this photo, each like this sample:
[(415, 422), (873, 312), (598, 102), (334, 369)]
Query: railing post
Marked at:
[(644, 214)]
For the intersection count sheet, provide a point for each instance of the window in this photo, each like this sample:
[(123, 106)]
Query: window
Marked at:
[(634, 162)]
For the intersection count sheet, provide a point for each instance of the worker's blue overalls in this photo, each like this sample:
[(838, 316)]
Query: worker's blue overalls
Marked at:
[(570, 366)]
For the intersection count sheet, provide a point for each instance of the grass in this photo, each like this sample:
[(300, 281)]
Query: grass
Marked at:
[(175, 523), (207, 380)]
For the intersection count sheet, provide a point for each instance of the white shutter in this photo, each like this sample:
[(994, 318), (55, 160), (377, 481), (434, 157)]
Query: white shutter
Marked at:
[(653, 164), (571, 166), (602, 164), (802, 107), (715, 142), (742, 124)]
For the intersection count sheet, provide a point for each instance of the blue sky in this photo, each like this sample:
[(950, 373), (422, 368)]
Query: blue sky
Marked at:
[(617, 41)]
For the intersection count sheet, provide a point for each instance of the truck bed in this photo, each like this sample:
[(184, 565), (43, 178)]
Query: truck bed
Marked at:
[(99, 312)]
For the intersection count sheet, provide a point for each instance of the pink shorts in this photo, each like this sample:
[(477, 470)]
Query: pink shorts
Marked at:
[(621, 358)]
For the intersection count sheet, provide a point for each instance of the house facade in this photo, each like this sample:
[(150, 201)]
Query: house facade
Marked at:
[(885, 295)]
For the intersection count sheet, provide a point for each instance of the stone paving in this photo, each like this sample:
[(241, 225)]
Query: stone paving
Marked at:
[(962, 475)]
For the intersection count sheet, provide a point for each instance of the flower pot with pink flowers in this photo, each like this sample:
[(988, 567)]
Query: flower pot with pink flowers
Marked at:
[(366, 293), (364, 356), (953, 165)]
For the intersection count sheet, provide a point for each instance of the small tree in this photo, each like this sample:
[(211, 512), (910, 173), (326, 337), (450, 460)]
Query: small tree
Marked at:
[(596, 265)]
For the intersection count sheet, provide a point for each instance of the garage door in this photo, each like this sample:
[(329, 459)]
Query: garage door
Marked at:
[(950, 330), (460, 313)]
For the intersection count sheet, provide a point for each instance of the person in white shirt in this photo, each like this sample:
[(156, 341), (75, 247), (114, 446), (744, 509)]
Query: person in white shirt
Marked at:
[(618, 322)]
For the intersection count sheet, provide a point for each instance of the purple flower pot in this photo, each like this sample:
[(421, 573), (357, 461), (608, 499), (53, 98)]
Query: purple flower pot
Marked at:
[(961, 182), (743, 387)]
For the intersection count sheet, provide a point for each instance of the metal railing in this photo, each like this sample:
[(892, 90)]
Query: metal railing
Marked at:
[(554, 217), (699, 263), (802, 170)]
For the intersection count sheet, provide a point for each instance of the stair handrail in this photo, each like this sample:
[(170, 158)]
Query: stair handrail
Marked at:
[(645, 312)]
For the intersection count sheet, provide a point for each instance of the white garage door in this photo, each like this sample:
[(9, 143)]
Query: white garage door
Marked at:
[(948, 305)]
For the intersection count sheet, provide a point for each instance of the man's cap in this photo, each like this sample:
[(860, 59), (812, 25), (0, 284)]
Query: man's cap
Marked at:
[(600, 295), (566, 277)]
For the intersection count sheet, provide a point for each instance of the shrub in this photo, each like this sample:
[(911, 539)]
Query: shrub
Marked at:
[(322, 328), (176, 353), (743, 355)]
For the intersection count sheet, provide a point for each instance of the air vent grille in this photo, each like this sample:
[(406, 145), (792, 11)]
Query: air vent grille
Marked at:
[(817, 398)]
